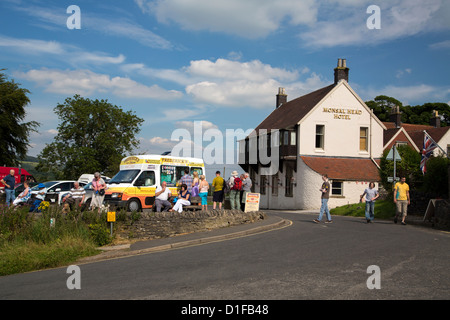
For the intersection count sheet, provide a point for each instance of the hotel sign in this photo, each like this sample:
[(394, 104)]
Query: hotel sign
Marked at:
[(341, 113)]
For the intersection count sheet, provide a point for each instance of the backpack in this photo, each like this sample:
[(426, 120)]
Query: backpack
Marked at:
[(226, 186), (237, 184)]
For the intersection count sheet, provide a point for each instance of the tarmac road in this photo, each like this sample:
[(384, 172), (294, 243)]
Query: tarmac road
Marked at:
[(295, 260)]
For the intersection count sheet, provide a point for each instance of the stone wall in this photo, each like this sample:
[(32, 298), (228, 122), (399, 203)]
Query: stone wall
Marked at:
[(153, 225)]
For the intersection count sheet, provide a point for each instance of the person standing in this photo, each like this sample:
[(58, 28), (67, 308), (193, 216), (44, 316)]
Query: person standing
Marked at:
[(203, 187), (246, 187), (371, 195), (401, 199), (187, 180), (9, 181), (162, 195), (99, 186), (325, 190), (195, 183), (235, 190), (217, 184)]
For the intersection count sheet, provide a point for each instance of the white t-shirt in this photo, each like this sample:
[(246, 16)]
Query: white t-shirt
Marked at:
[(165, 195)]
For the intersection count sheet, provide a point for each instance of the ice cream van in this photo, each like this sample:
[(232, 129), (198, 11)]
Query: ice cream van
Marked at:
[(133, 187)]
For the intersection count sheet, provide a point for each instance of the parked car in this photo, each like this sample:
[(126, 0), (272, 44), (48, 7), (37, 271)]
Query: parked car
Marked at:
[(56, 190), (86, 178)]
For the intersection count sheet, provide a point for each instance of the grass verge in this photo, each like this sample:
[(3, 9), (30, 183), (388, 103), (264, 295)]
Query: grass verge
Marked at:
[(384, 209), (24, 256)]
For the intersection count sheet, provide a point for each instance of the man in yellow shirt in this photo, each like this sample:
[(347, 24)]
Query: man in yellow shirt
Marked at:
[(218, 194), (401, 199)]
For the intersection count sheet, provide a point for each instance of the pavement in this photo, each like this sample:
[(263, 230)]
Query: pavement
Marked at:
[(191, 239)]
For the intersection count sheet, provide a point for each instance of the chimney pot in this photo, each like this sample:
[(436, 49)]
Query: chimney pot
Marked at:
[(341, 71), (435, 120), (396, 116), (281, 97)]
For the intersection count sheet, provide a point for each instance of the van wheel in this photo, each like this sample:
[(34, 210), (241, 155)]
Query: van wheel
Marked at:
[(134, 205)]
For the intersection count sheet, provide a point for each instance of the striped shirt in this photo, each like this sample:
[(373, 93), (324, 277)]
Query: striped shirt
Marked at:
[(77, 193)]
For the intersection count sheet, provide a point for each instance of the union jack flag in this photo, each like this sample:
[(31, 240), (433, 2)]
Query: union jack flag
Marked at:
[(428, 146)]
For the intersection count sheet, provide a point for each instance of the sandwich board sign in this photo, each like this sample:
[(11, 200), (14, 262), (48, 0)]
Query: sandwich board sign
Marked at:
[(252, 202)]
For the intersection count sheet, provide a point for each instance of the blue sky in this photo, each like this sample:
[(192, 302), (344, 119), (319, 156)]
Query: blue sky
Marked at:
[(174, 62)]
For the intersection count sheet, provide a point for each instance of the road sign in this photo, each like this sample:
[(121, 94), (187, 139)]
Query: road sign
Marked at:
[(111, 217), (391, 153), (391, 179)]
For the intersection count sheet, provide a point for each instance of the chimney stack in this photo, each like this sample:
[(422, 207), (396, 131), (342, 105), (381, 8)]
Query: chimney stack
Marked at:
[(281, 97), (435, 120), (396, 116), (341, 71)]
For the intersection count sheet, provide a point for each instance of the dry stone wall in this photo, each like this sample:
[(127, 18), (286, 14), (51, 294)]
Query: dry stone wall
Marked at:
[(153, 225)]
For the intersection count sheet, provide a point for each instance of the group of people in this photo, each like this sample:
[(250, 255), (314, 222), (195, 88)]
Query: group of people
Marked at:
[(237, 185), (25, 196), (75, 196), (191, 186), (401, 200), (197, 186)]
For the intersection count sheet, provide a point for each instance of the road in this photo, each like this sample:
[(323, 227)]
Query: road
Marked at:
[(302, 261)]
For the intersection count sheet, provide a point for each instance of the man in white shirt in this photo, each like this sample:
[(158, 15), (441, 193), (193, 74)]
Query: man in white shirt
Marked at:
[(162, 195)]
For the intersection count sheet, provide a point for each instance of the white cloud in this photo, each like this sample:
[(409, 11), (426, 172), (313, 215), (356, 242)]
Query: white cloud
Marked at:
[(320, 23), (440, 45), (408, 94), (55, 50), (31, 46), (111, 26), (86, 82), (345, 22), (230, 83), (248, 19)]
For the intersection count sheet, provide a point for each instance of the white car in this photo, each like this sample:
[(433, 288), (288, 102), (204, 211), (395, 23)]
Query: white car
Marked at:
[(56, 189)]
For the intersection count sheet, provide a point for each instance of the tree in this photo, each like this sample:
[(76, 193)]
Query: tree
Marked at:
[(420, 114), (436, 177), (92, 136), (408, 167), (14, 132), (382, 106)]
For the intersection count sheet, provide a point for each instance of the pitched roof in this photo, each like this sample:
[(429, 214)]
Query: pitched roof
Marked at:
[(291, 112), (415, 131), (355, 169)]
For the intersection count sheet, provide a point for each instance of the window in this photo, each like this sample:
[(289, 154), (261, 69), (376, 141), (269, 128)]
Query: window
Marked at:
[(320, 134), (363, 139), (275, 185), (285, 138), (146, 179), (293, 138), (196, 169), (289, 192), (172, 174), (336, 188), (262, 187)]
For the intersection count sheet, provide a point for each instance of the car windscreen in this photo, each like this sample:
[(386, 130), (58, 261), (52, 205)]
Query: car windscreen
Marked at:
[(124, 176), (47, 185)]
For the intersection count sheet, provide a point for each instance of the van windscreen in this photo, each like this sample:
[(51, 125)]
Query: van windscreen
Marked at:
[(124, 176)]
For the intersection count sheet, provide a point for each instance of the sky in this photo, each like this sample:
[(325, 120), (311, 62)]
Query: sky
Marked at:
[(217, 64)]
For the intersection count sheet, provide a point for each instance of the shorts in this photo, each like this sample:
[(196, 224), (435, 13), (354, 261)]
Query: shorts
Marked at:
[(218, 196), (402, 207), (204, 196)]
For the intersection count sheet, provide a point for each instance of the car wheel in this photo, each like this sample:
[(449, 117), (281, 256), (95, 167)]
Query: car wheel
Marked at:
[(134, 205)]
